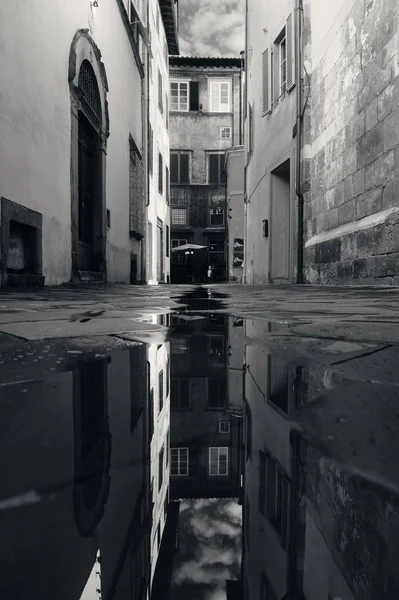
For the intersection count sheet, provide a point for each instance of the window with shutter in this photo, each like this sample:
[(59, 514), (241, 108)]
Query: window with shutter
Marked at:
[(218, 461), (174, 168), (216, 174), (220, 96), (179, 95), (184, 170), (194, 95), (266, 82), (179, 167), (290, 53), (167, 111)]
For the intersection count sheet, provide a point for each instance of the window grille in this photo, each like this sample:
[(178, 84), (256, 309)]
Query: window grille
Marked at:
[(88, 85)]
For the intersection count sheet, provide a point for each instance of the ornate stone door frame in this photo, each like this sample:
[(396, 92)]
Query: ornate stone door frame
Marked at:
[(83, 48)]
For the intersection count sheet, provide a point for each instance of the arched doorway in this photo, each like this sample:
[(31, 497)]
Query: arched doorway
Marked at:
[(89, 133)]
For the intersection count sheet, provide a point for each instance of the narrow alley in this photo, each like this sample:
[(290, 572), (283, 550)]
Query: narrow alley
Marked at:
[(199, 300)]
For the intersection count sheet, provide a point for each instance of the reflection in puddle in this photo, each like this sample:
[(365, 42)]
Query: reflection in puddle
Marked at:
[(200, 465)]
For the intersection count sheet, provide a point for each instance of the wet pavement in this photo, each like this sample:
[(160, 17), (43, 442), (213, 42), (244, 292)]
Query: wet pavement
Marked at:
[(206, 443)]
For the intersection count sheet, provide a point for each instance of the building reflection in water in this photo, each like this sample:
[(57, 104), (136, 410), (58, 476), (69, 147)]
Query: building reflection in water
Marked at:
[(201, 547), (310, 530), (175, 469)]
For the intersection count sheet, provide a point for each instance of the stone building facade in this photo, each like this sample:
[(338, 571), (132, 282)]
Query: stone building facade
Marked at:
[(205, 108), (162, 29), (352, 203), (270, 143), (72, 144)]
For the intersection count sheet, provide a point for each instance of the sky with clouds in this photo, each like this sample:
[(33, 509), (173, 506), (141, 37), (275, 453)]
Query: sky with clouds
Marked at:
[(209, 28), (209, 549)]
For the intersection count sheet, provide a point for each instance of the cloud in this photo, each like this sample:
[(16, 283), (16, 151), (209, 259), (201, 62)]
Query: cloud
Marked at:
[(209, 28), (209, 548)]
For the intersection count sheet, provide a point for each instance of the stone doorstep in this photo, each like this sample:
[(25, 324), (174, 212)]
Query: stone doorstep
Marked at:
[(25, 280), (91, 276)]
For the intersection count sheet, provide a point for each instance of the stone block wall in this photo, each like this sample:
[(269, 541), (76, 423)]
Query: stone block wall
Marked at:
[(351, 210)]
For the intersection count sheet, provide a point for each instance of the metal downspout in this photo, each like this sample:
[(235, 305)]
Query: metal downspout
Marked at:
[(243, 129), (299, 136)]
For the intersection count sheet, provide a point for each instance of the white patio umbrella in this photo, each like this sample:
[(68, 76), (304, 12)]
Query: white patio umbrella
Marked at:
[(188, 248)]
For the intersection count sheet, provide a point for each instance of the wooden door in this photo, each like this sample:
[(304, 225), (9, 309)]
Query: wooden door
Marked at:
[(280, 225), (160, 268), (86, 197)]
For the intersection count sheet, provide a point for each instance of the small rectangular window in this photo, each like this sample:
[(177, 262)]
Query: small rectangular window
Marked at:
[(179, 461), (218, 461), (176, 242), (180, 346), (224, 427), (283, 64), (216, 217), (179, 216), (225, 133)]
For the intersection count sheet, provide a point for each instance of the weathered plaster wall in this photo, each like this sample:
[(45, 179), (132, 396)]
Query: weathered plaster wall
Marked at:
[(158, 208), (272, 137), (35, 144), (235, 207), (352, 210)]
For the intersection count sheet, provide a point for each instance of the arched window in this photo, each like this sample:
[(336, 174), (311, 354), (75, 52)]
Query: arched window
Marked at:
[(88, 86)]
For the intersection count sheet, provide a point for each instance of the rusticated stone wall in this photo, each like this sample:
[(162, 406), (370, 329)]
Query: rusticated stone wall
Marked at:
[(351, 210)]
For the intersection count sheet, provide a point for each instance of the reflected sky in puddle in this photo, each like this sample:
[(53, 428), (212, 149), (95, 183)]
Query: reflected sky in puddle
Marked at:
[(201, 464)]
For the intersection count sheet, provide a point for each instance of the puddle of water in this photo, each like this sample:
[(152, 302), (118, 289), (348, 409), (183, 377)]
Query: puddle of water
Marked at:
[(201, 465)]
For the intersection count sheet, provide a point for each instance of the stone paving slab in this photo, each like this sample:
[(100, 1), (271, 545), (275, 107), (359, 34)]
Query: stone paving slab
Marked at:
[(66, 329)]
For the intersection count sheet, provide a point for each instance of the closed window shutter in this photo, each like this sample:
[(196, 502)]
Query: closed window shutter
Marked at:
[(214, 96), (174, 169), (194, 97), (290, 53), (213, 168), (266, 107), (222, 174), (184, 168)]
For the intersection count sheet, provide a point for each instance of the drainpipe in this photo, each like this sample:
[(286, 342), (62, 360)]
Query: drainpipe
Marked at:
[(299, 136), (240, 136), (147, 123), (245, 60)]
